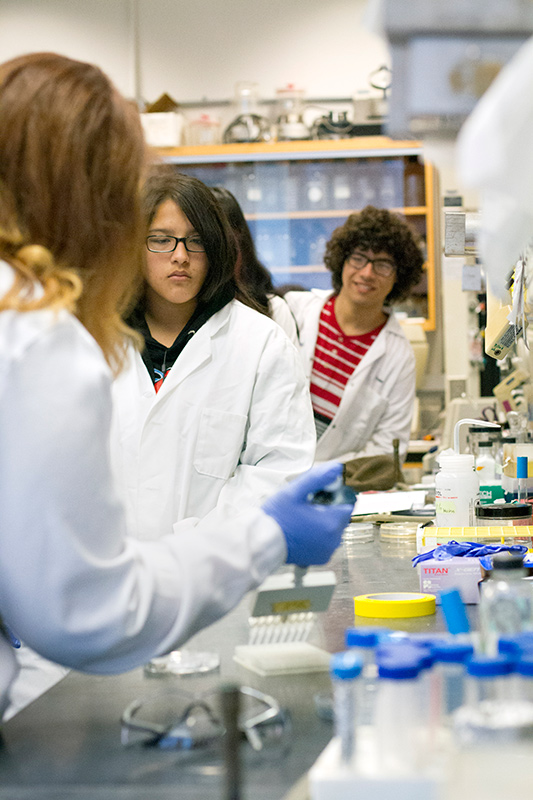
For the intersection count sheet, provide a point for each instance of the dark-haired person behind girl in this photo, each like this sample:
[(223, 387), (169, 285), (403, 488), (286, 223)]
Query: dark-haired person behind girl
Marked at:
[(360, 365), (215, 412), (250, 271)]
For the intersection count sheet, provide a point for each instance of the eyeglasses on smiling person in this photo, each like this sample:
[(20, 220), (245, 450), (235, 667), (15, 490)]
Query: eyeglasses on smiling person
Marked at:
[(161, 243), (380, 266)]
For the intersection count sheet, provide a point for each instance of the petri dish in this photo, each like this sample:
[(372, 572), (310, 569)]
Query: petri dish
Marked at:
[(398, 539), (398, 531), (358, 533), (183, 662)]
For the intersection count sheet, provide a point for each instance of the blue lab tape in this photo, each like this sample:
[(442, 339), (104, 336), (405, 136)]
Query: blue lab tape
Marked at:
[(454, 612)]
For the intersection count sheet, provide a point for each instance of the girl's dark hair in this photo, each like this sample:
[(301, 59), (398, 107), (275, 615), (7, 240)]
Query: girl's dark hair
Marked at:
[(380, 231), (250, 271), (200, 207)]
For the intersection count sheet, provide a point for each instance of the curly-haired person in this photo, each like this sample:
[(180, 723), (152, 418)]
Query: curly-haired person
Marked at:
[(360, 364)]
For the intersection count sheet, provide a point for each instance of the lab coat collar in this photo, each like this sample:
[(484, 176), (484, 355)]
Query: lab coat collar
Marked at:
[(197, 352), (392, 327)]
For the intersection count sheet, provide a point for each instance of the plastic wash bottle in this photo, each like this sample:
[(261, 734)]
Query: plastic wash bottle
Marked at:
[(456, 490), (457, 484)]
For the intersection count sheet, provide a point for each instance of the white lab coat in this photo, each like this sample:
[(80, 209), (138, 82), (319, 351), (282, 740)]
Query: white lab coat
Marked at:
[(280, 312), (230, 424), (73, 586), (377, 404)]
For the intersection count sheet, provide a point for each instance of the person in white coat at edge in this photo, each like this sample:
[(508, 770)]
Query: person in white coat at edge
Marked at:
[(215, 413), (360, 365), (73, 585), (251, 272)]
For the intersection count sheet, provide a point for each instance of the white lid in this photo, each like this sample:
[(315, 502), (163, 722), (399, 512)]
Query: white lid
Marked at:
[(450, 460)]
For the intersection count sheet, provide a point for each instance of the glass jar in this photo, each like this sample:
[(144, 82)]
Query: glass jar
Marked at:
[(503, 514), (505, 604)]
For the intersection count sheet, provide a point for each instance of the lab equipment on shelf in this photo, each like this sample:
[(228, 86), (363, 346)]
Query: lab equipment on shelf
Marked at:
[(290, 122), (249, 125)]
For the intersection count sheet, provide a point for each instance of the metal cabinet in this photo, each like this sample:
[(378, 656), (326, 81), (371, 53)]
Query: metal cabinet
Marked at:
[(294, 195)]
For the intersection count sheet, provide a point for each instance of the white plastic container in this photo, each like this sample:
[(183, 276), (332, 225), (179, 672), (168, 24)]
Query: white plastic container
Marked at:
[(456, 490), (398, 722), (485, 463)]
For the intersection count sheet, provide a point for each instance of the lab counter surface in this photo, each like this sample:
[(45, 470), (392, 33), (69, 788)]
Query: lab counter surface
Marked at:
[(67, 743)]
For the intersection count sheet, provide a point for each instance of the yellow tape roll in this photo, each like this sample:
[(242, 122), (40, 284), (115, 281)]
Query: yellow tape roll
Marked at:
[(387, 605)]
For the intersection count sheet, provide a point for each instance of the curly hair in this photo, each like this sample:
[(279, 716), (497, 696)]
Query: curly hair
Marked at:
[(380, 231)]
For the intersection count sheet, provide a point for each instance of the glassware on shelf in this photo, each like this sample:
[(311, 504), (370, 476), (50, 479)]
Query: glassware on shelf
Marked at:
[(249, 125), (341, 186), (290, 121), (390, 184), (334, 125), (204, 130), (315, 189), (363, 184)]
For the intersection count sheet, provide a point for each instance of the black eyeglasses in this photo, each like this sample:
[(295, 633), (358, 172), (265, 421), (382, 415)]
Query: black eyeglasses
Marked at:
[(381, 266), (179, 720), (157, 243)]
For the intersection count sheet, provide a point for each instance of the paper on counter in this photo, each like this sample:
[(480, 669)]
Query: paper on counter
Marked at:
[(385, 502)]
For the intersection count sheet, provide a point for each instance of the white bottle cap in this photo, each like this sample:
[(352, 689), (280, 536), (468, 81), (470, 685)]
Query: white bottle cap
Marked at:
[(451, 460)]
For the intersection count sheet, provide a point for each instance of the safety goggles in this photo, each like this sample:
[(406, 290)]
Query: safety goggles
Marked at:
[(179, 720)]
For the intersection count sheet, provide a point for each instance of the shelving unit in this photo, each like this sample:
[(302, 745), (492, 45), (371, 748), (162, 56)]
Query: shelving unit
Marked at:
[(294, 195)]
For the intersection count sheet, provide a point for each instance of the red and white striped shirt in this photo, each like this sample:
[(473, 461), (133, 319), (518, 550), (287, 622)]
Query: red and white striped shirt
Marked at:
[(336, 357)]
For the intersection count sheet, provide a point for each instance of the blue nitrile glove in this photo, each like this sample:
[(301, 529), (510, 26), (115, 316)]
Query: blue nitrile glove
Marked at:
[(13, 640), (467, 549), (312, 531)]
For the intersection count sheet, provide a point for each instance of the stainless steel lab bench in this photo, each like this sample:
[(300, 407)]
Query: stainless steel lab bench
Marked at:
[(67, 743)]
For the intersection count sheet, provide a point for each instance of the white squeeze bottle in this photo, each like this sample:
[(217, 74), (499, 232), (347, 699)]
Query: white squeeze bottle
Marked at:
[(457, 484)]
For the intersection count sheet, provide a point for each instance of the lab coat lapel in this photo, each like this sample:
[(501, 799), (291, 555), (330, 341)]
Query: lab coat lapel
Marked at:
[(378, 349), (196, 352)]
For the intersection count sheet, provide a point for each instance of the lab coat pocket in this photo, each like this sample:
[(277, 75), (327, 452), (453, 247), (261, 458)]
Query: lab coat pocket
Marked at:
[(220, 442)]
